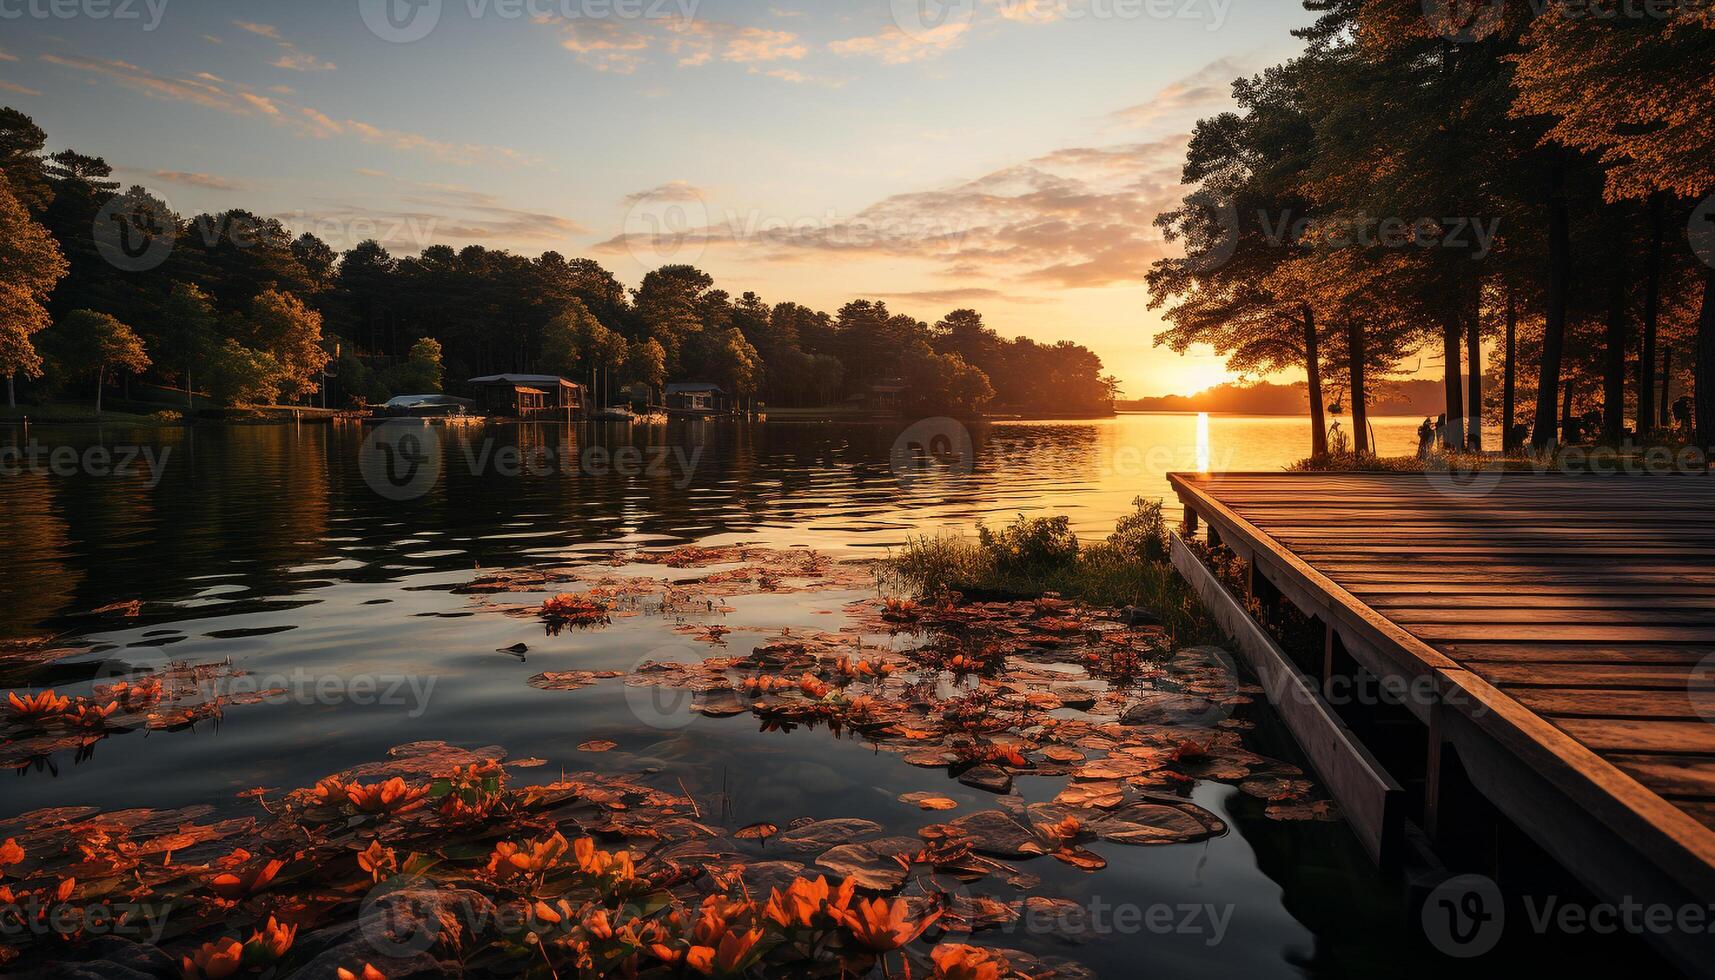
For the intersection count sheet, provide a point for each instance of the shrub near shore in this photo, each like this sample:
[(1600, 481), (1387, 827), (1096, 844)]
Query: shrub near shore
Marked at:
[(1036, 556)]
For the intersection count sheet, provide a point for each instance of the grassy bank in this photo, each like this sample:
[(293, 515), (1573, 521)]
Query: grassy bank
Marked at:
[(1037, 556), (71, 413)]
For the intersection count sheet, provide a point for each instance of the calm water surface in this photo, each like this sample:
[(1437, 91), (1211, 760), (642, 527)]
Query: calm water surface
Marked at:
[(266, 545)]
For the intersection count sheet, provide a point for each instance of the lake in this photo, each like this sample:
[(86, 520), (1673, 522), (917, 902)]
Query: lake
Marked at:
[(299, 555)]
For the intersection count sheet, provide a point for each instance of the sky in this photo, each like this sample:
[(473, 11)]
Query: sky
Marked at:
[(1003, 155)]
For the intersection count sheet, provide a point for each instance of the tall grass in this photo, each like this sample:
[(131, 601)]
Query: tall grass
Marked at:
[(1034, 557)]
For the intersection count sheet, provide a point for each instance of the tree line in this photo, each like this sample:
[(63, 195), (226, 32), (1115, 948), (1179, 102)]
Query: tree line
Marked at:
[(1426, 178), (99, 282)]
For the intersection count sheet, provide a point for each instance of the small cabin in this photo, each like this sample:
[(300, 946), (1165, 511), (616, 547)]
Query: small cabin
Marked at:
[(528, 396), (698, 398), (887, 394)]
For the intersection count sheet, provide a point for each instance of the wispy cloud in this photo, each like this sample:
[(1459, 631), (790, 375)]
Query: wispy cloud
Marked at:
[(677, 190), (893, 46), (19, 89), (213, 92), (624, 46), (292, 57), (206, 181), (426, 213), (1079, 217), (268, 31), (1208, 88), (953, 297), (606, 45), (297, 60)]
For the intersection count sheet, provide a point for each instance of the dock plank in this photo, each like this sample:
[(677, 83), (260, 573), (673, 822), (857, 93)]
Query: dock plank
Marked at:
[(1568, 620)]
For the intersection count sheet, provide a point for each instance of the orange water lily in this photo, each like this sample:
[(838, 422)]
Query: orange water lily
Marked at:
[(214, 961), (391, 797), (593, 861), (39, 705), (148, 689), (798, 906), (369, 972), (10, 852), (89, 716), (531, 857), (813, 686), (729, 956), (270, 942), (837, 904), (234, 885), (377, 860), (885, 926), (957, 962), (330, 791)]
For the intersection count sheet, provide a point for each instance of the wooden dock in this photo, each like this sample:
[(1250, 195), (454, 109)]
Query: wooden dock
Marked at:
[(1562, 627)]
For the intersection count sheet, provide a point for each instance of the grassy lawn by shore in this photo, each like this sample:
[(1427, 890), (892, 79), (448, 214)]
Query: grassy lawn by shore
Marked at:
[(63, 413)]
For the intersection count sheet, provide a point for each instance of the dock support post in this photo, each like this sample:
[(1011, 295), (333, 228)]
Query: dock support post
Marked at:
[(1190, 521)]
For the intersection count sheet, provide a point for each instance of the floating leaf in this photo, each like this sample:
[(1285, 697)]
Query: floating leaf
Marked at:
[(756, 831)]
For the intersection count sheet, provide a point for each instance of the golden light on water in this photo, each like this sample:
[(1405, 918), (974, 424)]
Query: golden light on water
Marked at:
[(1202, 442)]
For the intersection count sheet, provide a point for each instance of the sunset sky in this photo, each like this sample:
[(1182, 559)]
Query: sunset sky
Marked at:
[(1008, 156)]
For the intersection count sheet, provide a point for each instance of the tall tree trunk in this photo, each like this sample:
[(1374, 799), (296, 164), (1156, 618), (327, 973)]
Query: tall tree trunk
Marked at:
[(1652, 312), (100, 382), (1554, 324), (11, 391), (1360, 413), (1474, 361), (190, 399), (1509, 381), (1313, 369), (1666, 418), (1452, 332), (1705, 403), (1614, 366)]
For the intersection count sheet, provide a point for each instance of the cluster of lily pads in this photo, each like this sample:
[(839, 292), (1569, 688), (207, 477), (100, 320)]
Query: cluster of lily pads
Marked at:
[(443, 865), (1088, 727)]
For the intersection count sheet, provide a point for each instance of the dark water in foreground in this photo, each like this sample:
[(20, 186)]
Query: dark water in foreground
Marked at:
[(267, 546)]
